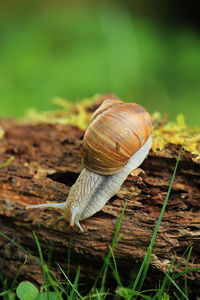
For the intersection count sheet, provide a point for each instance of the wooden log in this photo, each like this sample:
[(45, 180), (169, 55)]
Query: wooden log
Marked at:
[(47, 162)]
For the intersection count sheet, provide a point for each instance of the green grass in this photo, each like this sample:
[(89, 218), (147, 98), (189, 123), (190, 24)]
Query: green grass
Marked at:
[(54, 289)]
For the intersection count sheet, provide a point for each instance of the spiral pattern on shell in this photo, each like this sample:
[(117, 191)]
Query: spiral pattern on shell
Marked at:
[(117, 131)]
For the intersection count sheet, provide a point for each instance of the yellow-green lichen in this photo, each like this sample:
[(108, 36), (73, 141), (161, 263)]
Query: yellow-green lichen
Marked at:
[(1, 133), (177, 132), (163, 132), (78, 114)]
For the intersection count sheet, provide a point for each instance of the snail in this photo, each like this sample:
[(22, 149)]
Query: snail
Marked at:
[(116, 142)]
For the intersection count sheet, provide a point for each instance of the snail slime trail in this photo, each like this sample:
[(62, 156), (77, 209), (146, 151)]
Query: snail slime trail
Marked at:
[(116, 142)]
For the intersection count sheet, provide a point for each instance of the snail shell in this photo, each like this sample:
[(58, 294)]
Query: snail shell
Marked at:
[(116, 132), (116, 142)]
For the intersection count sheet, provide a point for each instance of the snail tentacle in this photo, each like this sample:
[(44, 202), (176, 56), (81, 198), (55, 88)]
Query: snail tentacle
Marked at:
[(55, 205)]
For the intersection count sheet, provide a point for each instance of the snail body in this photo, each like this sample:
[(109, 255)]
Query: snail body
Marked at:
[(116, 142)]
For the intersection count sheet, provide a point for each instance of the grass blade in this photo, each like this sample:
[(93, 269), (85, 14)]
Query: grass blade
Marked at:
[(113, 244), (177, 287), (75, 283), (71, 284), (13, 242), (45, 270), (52, 282), (20, 247), (164, 289), (157, 226), (41, 257), (115, 271), (186, 268), (107, 259), (146, 266), (18, 272)]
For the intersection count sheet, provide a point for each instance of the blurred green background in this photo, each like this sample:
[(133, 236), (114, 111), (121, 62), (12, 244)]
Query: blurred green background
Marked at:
[(146, 53)]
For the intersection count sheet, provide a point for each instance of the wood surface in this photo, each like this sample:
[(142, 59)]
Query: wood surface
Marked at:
[(47, 162)]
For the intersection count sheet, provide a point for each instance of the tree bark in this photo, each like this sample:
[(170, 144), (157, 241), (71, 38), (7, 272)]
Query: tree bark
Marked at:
[(47, 162)]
